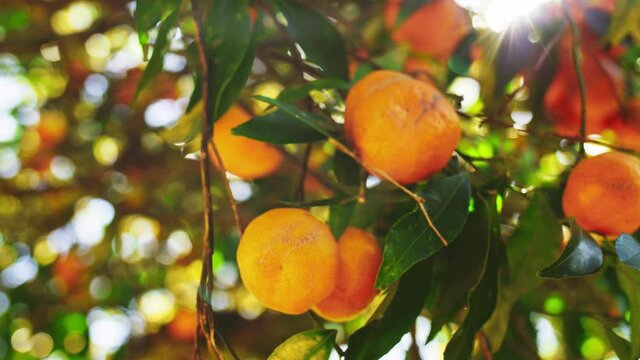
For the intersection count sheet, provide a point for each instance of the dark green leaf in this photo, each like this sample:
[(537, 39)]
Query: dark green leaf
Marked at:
[(308, 345), (534, 244), (154, 67), (278, 127), (628, 250), (300, 92), (148, 13), (408, 7), (462, 266), (582, 256), (482, 299), (227, 37), (629, 279), (340, 217), (346, 169), (317, 122), (239, 79), (411, 239), (379, 336), (322, 43)]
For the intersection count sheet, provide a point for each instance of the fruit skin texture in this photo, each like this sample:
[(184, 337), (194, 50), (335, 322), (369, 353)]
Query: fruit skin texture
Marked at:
[(359, 260), (243, 157), (434, 29), (288, 259), (603, 194), (400, 126)]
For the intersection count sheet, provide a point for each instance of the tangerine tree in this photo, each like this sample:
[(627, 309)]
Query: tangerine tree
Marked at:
[(337, 179)]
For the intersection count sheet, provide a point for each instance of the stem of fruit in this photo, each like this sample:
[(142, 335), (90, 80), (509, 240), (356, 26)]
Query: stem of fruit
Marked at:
[(205, 325), (577, 66), (417, 198), (213, 152)]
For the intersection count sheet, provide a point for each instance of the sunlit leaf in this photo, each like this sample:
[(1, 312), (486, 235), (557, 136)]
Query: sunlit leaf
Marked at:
[(278, 127), (582, 256), (378, 337), (534, 244), (628, 250), (322, 43), (629, 280), (411, 239), (625, 20), (308, 345), (314, 121), (300, 92)]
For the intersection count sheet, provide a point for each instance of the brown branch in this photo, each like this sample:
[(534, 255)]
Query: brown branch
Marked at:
[(484, 346), (205, 312), (577, 66)]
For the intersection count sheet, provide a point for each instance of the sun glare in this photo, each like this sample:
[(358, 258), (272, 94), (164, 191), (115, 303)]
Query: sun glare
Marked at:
[(498, 15)]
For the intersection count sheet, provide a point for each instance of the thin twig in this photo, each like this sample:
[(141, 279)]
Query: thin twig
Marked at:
[(205, 312), (213, 152), (577, 65), (417, 198), (484, 346)]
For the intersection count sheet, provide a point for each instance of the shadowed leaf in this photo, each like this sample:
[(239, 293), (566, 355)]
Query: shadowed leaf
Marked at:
[(278, 127), (628, 250), (378, 337), (582, 256)]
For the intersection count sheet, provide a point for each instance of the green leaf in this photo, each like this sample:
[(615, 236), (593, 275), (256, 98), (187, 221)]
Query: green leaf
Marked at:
[(322, 43), (322, 202), (378, 337), (308, 345), (340, 217), (629, 279), (411, 239), (300, 92), (239, 79), (462, 267), (408, 7), (534, 243), (148, 13), (393, 59), (227, 36), (582, 256), (628, 250), (620, 345), (154, 67), (278, 127), (482, 299), (312, 120), (346, 169)]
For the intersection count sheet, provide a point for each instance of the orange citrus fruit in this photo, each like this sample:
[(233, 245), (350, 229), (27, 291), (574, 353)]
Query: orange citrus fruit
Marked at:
[(359, 259), (400, 126), (602, 82), (603, 193), (434, 29), (183, 326), (288, 260), (243, 157)]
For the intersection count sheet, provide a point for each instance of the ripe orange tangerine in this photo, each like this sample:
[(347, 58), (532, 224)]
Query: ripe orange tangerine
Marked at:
[(434, 29), (359, 260), (243, 157), (401, 126), (288, 259), (603, 194), (183, 326)]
